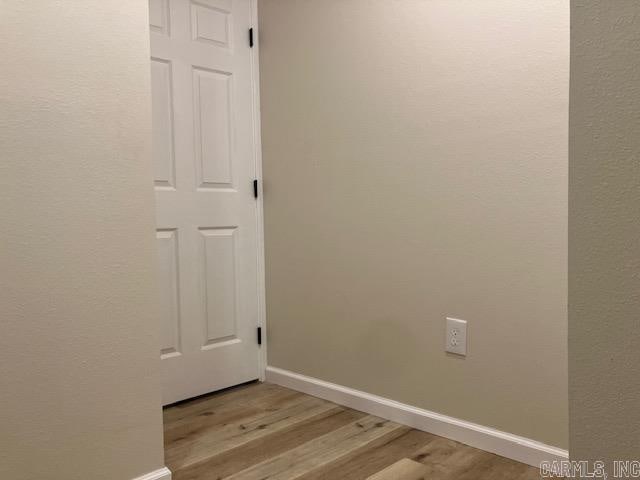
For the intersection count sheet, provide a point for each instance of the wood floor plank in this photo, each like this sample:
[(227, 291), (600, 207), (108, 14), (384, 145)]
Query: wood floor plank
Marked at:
[(532, 473), (242, 457), (203, 420), (266, 432), (371, 460), (404, 469), (237, 396), (196, 448), (321, 451), (447, 460), (494, 467)]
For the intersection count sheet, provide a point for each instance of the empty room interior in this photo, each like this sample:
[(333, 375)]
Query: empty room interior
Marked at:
[(319, 239)]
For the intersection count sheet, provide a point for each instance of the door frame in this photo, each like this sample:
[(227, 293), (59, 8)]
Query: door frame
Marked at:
[(257, 144)]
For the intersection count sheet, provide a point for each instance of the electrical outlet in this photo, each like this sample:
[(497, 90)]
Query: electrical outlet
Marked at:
[(456, 336)]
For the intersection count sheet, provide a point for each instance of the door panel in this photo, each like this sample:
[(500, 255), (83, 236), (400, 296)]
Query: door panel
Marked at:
[(167, 248), (219, 266), (162, 141), (203, 157), (212, 101)]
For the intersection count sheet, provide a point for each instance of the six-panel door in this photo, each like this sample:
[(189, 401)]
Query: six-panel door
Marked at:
[(204, 165)]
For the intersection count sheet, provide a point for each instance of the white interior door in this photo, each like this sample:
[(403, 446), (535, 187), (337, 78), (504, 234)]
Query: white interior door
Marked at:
[(203, 154)]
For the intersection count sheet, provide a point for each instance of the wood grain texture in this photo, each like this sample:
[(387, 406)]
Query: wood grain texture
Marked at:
[(404, 469), (266, 432)]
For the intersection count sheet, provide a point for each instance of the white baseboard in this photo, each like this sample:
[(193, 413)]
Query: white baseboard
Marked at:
[(161, 474), (504, 444)]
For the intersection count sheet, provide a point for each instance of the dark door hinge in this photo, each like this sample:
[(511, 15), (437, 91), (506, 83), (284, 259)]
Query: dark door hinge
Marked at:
[(251, 37), (259, 335), (255, 188)]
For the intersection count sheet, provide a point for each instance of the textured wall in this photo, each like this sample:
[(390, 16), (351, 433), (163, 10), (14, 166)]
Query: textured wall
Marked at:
[(79, 394), (604, 230), (415, 158)]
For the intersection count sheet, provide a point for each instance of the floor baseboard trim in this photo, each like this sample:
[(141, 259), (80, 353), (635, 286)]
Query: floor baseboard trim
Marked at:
[(491, 440), (161, 474)]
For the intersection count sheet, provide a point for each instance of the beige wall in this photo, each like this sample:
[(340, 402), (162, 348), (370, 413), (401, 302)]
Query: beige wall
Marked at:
[(79, 395), (415, 158), (604, 230)]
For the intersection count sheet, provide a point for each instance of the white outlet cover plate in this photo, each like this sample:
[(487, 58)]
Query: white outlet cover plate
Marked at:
[(456, 341)]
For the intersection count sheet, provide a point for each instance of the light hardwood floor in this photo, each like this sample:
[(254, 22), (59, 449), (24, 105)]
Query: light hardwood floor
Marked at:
[(262, 431)]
